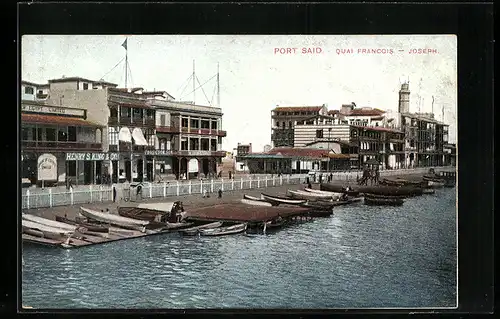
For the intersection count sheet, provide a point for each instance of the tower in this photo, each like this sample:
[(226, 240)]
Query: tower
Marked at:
[(404, 98)]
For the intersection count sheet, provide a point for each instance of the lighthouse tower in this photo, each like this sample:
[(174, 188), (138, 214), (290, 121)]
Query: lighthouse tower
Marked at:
[(404, 98)]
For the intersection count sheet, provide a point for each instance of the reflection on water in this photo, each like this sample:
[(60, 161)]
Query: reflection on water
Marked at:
[(362, 256)]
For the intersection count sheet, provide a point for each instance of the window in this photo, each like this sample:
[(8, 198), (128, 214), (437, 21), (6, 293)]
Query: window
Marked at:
[(25, 133), (50, 134), (40, 91), (149, 113), (290, 124), (319, 133), (85, 86), (162, 120), (195, 123), (137, 113), (213, 145), (72, 134), (205, 124), (113, 135), (113, 113), (28, 90), (62, 134), (214, 125), (205, 144), (184, 145), (184, 122)]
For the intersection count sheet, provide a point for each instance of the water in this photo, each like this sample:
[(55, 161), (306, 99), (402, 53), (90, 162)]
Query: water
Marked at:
[(363, 256)]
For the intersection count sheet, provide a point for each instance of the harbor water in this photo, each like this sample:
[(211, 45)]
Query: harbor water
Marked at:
[(361, 257)]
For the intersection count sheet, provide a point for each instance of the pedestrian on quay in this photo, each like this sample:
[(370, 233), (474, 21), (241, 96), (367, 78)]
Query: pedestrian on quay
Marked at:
[(114, 193), (331, 177), (220, 193)]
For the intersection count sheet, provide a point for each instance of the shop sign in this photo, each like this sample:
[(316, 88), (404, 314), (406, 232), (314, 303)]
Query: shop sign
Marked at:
[(157, 153), (47, 167), (92, 156), (52, 109)]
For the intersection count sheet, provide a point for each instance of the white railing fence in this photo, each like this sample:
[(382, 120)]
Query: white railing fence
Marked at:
[(99, 193)]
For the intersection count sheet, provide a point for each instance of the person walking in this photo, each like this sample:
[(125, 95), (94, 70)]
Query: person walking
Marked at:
[(114, 193)]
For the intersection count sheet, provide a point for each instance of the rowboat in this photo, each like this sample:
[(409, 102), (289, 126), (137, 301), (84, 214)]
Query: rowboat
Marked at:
[(195, 230), (384, 196), (379, 190), (153, 211), (253, 198), (428, 191), (434, 184), (48, 222), (117, 220), (221, 231), (276, 223), (332, 194), (44, 231), (255, 202), (276, 200), (91, 227), (309, 196), (374, 200)]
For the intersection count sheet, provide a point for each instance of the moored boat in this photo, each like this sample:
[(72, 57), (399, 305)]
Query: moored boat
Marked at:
[(383, 200), (117, 220), (49, 222), (91, 227), (333, 194), (255, 202), (195, 230), (221, 231), (310, 196), (379, 190), (435, 184), (41, 230), (428, 191), (160, 212), (245, 196), (276, 200)]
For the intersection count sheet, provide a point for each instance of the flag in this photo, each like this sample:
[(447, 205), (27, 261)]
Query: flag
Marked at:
[(124, 44)]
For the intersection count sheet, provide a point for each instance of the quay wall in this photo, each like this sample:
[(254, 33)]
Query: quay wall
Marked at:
[(44, 198)]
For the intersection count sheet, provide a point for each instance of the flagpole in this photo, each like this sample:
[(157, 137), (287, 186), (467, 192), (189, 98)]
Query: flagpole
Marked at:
[(126, 61)]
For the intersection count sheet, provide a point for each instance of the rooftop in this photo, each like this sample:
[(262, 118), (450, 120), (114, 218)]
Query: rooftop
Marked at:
[(77, 78), (366, 112), (298, 108), (378, 128)]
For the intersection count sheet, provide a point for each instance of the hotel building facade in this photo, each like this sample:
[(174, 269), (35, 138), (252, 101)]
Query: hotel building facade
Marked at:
[(143, 136)]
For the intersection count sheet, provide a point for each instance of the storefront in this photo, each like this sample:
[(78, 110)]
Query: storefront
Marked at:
[(159, 164), (90, 168), (42, 169)]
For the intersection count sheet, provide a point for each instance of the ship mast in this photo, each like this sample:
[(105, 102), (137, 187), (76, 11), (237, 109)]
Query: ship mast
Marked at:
[(194, 84), (218, 86)]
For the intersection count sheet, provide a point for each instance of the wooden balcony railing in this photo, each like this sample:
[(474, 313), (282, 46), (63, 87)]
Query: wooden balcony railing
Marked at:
[(199, 153), (136, 121), (61, 145), (167, 129)]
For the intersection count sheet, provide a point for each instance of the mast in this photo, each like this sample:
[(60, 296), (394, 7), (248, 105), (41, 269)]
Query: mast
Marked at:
[(218, 86), (432, 105), (194, 84), (126, 62)]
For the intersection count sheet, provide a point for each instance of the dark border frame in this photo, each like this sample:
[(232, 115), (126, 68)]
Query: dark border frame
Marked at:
[(473, 23)]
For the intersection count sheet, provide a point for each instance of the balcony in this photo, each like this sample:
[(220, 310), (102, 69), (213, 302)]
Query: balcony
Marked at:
[(167, 129), (53, 145), (222, 133), (136, 121)]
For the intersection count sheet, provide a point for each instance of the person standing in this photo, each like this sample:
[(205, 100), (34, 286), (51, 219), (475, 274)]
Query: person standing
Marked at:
[(114, 193)]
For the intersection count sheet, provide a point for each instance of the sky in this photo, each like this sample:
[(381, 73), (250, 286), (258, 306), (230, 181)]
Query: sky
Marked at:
[(259, 72)]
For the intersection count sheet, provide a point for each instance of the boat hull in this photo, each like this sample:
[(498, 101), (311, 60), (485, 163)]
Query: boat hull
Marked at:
[(89, 226), (222, 231), (120, 221), (195, 230), (255, 202), (378, 190), (280, 200), (310, 196), (383, 200)]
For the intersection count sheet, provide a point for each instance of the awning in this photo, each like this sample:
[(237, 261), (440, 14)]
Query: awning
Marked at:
[(139, 137), (124, 135)]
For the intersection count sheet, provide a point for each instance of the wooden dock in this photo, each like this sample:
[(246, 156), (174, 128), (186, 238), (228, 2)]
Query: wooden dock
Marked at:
[(89, 239)]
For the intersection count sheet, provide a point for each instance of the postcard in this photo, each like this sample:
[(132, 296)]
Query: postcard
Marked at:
[(239, 171)]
